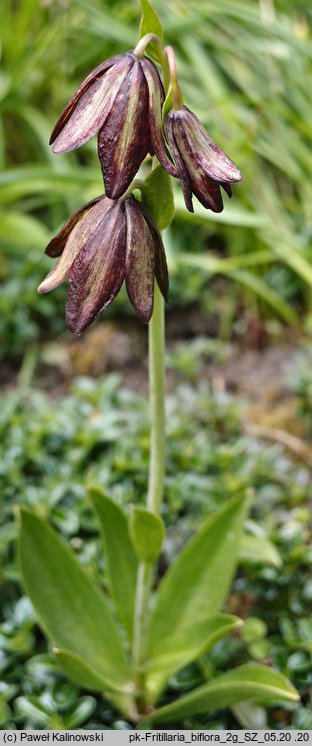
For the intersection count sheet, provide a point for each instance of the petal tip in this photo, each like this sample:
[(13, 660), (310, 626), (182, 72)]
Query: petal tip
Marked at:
[(42, 288), (56, 147)]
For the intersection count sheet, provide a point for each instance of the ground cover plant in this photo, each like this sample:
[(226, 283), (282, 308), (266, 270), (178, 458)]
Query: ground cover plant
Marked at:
[(44, 452), (140, 662)]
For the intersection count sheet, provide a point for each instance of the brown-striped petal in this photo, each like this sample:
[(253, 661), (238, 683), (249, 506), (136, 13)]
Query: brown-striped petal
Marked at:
[(98, 271), (91, 108), (207, 191), (56, 246), (95, 74), (181, 167), (196, 147), (156, 100), (140, 262), (124, 139), (161, 269), (227, 188), (86, 230)]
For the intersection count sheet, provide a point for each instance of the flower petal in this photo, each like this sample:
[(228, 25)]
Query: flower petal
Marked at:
[(85, 230), (206, 190), (56, 246), (227, 188), (197, 148), (90, 109), (139, 262), (124, 139), (181, 167), (156, 100), (161, 269), (98, 271), (95, 74)]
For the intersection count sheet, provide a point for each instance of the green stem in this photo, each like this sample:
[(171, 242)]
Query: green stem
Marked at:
[(144, 42), (155, 486), (144, 579), (157, 404)]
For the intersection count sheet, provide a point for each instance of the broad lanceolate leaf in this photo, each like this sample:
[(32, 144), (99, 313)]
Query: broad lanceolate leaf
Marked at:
[(150, 24), (192, 640), (78, 671), (120, 556), (196, 585), (184, 646), (158, 197), (251, 681), (147, 534), (70, 606)]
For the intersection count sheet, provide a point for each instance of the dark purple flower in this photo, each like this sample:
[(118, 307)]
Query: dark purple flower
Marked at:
[(121, 100), (201, 165), (103, 244)]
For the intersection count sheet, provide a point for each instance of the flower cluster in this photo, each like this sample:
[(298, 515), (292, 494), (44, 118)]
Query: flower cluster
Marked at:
[(113, 238), (120, 101), (104, 243)]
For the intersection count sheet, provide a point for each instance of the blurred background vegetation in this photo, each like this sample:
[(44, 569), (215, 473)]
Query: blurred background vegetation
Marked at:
[(240, 302)]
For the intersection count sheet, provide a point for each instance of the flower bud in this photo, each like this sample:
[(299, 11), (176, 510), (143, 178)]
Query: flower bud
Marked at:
[(121, 100), (201, 165), (111, 241)]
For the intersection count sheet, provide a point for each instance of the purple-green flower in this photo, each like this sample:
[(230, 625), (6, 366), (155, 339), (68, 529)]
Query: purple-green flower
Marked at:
[(201, 165), (121, 100), (103, 244)]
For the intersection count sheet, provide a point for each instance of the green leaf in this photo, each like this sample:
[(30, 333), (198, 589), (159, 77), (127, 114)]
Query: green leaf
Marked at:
[(121, 559), (250, 715), (17, 229), (70, 606), (196, 585), (157, 196), (168, 104), (251, 681), (78, 671), (184, 646), (259, 549), (233, 215), (80, 714), (215, 265), (235, 268), (270, 296), (291, 254), (150, 24), (147, 533), (191, 641)]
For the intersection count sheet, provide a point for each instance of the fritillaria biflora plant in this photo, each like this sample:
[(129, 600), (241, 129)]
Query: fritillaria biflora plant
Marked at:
[(129, 643)]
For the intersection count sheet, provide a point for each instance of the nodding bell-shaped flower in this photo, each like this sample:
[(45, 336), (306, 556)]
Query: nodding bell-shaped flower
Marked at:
[(103, 244), (201, 165), (121, 100)]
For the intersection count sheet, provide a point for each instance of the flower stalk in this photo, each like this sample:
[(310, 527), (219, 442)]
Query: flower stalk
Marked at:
[(157, 404), (144, 42), (140, 631), (177, 98), (155, 484)]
